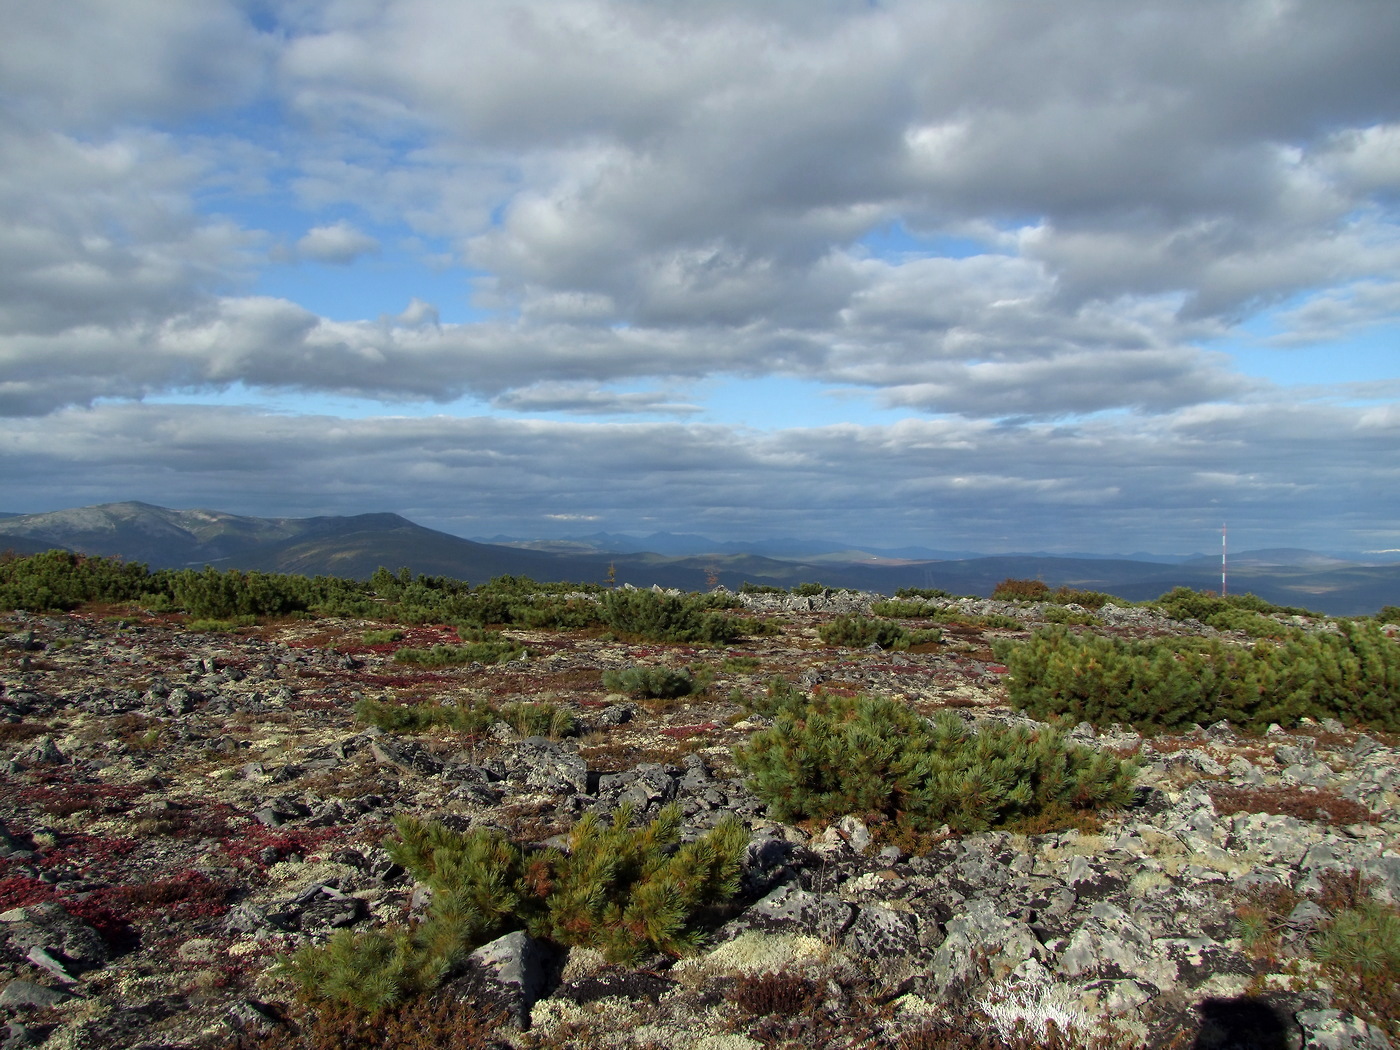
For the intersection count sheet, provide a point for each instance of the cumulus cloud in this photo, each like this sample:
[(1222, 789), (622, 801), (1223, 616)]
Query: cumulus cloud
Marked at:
[(339, 244), (1283, 474), (84, 64), (637, 195)]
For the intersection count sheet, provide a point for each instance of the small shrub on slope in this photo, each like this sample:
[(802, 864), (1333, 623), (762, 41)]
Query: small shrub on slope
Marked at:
[(1171, 684), (60, 579), (648, 616), (528, 718), (652, 683), (1234, 612), (486, 649), (857, 632), (621, 890), (871, 755)]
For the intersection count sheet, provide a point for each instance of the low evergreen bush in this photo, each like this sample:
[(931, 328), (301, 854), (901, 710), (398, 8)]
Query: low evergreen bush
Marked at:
[(492, 649), (1077, 618), (527, 718), (624, 891), (405, 718), (60, 579), (225, 595), (220, 626), (780, 694), (552, 612), (654, 683), (903, 609), (1172, 684), (653, 617), (1013, 590), (827, 756), (1235, 612), (857, 632), (922, 592), (1088, 599), (386, 636)]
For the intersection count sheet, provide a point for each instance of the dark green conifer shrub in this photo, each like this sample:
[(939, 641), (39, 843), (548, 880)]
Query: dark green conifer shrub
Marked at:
[(403, 718), (926, 593), (654, 683), (905, 609), (857, 632), (622, 890), (871, 755), (554, 612), (385, 636), (527, 718), (1056, 614), (649, 616), (780, 694), (217, 626), (486, 649), (215, 595), (60, 579), (1171, 684), (1235, 612), (1088, 599)]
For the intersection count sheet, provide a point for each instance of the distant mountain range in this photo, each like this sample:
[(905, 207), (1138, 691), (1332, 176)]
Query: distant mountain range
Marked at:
[(355, 546)]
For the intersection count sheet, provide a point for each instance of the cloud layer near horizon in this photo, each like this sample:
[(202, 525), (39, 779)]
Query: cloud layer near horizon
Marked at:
[(1025, 230)]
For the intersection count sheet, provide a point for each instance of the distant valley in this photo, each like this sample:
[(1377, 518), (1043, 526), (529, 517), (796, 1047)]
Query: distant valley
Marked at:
[(356, 545)]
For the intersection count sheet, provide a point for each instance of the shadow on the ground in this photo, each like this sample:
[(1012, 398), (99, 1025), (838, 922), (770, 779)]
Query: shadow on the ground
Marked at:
[(1245, 1023)]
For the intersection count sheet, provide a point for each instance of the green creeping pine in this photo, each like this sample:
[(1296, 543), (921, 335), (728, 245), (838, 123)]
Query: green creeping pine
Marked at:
[(622, 890), (826, 756)]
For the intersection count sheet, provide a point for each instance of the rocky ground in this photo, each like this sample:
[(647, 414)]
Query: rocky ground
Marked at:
[(179, 809)]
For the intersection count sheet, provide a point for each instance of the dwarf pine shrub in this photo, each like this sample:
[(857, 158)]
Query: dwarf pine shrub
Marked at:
[(649, 616), (624, 891), (653, 683), (1234, 612), (828, 755), (857, 632), (487, 650), (528, 718), (926, 593), (1171, 684), (403, 718), (902, 609), (60, 579)]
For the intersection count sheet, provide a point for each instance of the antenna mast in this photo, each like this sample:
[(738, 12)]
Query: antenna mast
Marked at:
[(1223, 591)]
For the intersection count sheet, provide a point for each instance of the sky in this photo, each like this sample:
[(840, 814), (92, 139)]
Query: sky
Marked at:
[(1074, 275)]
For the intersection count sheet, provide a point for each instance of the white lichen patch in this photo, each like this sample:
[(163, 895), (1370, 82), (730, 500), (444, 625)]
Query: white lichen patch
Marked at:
[(755, 953), (304, 874)]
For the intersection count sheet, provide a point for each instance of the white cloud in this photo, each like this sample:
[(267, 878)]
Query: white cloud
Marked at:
[(1284, 474), (339, 244), (85, 64), (644, 194)]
